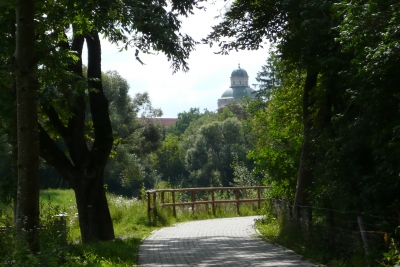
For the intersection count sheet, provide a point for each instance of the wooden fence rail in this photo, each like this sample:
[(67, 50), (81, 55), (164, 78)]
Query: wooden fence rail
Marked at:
[(152, 198)]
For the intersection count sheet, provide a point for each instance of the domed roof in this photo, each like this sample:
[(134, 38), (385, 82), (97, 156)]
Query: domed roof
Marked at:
[(239, 73), (227, 93), (239, 92)]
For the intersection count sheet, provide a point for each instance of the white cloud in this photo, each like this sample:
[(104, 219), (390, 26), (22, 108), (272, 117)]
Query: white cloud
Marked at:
[(201, 87)]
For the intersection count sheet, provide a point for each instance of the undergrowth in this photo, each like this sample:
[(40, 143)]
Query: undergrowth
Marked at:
[(278, 227)]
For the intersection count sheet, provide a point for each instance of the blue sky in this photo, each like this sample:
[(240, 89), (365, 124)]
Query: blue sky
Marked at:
[(206, 80)]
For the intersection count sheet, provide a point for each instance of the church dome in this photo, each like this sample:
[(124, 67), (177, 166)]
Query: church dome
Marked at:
[(227, 93), (239, 92), (239, 73)]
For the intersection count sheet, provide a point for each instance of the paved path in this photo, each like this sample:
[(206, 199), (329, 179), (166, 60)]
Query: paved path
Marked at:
[(218, 242)]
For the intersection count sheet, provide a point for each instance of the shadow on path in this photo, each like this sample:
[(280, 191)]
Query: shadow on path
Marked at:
[(214, 244)]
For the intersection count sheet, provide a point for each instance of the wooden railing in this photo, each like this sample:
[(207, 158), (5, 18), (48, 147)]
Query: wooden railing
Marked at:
[(152, 198)]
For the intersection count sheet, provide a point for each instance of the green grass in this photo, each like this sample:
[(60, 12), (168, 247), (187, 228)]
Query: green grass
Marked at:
[(130, 224)]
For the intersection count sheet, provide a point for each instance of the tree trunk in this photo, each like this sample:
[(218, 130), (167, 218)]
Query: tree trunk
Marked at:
[(88, 184), (94, 215), (27, 126), (84, 167), (305, 175), (13, 134)]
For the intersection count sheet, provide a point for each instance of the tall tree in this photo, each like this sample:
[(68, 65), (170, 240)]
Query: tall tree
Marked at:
[(82, 157), (366, 113), (8, 98), (212, 150), (168, 160), (136, 134), (27, 224), (302, 31), (277, 126)]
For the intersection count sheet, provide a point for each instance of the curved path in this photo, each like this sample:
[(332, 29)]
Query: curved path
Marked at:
[(218, 242)]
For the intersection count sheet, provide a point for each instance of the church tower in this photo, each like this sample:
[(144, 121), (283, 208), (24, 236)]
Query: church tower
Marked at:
[(238, 90)]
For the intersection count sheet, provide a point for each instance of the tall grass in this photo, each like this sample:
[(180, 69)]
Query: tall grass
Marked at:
[(128, 215), (130, 224)]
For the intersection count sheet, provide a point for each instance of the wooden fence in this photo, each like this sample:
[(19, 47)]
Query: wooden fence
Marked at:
[(152, 198)]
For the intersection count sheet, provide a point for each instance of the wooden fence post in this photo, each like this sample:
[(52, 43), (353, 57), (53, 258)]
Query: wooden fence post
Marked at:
[(237, 203), (173, 201), (259, 197), (362, 232), (213, 199), (155, 203), (331, 233), (193, 199), (148, 207)]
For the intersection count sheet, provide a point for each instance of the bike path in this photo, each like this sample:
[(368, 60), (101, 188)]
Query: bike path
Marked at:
[(218, 242)]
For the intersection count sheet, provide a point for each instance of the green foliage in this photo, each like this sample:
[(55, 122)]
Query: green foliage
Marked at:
[(277, 129), (369, 28), (15, 251), (213, 149), (202, 154), (243, 176), (392, 257), (168, 160), (130, 221), (278, 226), (184, 120), (7, 181)]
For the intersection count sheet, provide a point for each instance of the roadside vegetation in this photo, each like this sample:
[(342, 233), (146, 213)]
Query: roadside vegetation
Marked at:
[(62, 245)]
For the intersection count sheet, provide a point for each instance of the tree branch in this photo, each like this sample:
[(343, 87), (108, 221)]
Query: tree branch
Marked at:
[(53, 155), (98, 102), (56, 122)]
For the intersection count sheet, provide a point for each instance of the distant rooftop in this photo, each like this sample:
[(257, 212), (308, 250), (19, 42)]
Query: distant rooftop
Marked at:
[(163, 121), (167, 121)]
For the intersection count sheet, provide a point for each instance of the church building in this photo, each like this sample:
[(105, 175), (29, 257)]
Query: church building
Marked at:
[(238, 90)]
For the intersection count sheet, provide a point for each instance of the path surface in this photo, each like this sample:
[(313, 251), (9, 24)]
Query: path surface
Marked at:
[(218, 242)]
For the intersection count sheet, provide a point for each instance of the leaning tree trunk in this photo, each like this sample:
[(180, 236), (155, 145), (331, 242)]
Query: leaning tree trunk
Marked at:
[(93, 188), (27, 224), (305, 175)]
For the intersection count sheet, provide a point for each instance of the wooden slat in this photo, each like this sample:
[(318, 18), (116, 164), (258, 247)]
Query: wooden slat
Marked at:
[(209, 202), (209, 189)]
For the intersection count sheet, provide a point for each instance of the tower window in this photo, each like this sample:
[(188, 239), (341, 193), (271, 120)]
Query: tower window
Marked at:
[(233, 82), (240, 82)]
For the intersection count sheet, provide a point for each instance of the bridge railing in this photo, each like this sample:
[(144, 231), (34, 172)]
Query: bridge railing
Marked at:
[(152, 198)]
